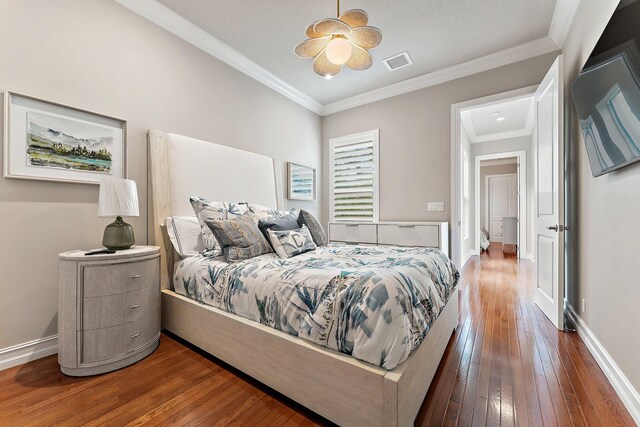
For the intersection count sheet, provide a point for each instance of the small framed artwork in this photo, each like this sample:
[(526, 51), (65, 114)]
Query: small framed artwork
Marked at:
[(52, 142), (302, 182)]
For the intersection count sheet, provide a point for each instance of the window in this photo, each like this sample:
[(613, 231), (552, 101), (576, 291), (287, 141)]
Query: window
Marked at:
[(354, 177)]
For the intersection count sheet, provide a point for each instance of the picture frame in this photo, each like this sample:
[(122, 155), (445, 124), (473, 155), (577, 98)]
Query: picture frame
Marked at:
[(48, 141), (302, 182)]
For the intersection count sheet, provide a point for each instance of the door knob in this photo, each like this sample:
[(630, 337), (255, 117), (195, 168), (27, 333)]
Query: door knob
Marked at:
[(553, 227)]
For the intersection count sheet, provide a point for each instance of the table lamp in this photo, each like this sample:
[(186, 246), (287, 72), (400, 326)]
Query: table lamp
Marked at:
[(118, 197)]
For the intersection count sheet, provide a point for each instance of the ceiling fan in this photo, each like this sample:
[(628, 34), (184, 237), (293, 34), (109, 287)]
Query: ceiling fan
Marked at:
[(335, 42)]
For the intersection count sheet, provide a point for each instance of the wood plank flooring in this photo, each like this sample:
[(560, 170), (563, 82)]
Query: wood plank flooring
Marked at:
[(505, 365)]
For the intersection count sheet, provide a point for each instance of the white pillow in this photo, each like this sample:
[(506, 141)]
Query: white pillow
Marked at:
[(185, 234)]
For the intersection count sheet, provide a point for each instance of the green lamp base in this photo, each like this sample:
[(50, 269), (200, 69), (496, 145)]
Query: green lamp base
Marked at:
[(118, 235)]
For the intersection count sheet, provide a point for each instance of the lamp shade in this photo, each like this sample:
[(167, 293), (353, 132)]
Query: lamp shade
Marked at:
[(118, 197)]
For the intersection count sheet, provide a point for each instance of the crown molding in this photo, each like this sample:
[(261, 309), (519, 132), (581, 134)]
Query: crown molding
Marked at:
[(501, 135), (167, 19), (562, 19), (191, 33), (498, 59)]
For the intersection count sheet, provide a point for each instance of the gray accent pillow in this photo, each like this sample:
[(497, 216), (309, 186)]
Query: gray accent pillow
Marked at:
[(315, 228), (287, 222), (206, 210), (239, 237), (289, 243)]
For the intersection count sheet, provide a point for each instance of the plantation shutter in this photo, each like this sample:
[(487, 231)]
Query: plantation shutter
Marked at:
[(354, 195)]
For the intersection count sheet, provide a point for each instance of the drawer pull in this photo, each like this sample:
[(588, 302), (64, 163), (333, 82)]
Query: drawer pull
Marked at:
[(135, 306), (406, 226), (351, 225), (134, 335), (135, 276)]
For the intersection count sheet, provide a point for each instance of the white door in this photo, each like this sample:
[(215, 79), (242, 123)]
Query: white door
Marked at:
[(549, 211), (503, 194)]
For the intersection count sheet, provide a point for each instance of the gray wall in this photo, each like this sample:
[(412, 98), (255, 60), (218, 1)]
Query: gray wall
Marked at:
[(415, 137), (97, 55), (603, 238), (491, 170)]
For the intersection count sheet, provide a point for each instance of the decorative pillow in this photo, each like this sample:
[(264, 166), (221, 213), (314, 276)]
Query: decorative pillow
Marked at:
[(206, 210), (263, 212), (287, 222), (315, 228), (185, 234), (289, 243), (237, 209), (239, 237)]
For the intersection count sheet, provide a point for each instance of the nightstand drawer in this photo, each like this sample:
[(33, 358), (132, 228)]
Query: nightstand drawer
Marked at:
[(100, 345), (113, 310), (409, 235), (353, 233), (100, 280)]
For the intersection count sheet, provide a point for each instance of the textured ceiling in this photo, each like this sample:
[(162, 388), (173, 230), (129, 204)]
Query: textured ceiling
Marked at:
[(436, 33), (518, 116)]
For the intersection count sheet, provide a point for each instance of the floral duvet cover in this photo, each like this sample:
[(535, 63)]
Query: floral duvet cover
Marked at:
[(374, 303)]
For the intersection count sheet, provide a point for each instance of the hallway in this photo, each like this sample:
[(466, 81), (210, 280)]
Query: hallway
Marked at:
[(508, 365)]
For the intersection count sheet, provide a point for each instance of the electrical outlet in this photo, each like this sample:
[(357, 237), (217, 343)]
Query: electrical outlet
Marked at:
[(435, 206), (583, 307)]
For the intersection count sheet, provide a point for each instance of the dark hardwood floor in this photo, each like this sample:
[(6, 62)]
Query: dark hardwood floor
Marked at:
[(505, 365)]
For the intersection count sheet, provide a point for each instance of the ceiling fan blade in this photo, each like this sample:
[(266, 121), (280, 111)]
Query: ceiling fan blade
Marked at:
[(312, 47), (365, 37), (331, 26), (325, 68), (360, 58), (355, 18)]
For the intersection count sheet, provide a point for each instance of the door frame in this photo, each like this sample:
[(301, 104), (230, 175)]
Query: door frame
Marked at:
[(487, 202), (458, 258), (522, 196)]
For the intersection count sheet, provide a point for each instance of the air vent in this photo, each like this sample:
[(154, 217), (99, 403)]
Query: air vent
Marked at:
[(398, 61)]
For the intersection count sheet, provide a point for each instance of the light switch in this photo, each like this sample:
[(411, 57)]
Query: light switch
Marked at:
[(435, 206)]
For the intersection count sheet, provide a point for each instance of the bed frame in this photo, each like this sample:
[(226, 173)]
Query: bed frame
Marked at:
[(336, 386)]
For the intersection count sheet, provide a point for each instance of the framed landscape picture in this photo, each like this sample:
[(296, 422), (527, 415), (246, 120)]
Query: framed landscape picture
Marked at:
[(302, 182), (52, 142)]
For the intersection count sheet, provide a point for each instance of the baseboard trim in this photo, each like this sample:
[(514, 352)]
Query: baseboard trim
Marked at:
[(28, 351), (621, 384)]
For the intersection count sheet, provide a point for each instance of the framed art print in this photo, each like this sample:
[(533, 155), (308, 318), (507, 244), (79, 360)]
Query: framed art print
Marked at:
[(302, 182), (53, 142)]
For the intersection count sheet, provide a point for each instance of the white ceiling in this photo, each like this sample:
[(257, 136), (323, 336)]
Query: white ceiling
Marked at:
[(436, 33), (482, 125)]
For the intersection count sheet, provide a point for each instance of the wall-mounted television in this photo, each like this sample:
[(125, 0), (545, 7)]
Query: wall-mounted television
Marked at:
[(607, 98)]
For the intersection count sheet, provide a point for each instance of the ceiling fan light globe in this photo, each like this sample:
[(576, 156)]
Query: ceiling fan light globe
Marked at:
[(338, 51)]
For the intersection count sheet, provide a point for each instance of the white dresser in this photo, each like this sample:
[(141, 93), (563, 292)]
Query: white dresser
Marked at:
[(108, 309), (421, 234)]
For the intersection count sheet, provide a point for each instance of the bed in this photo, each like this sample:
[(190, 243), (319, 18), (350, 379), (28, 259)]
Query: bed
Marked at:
[(348, 380)]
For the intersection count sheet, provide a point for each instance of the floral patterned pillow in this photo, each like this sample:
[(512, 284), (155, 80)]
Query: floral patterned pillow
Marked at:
[(206, 210), (236, 210), (264, 213)]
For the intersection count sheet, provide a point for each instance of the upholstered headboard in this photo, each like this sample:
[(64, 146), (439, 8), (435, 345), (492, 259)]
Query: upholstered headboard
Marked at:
[(181, 167)]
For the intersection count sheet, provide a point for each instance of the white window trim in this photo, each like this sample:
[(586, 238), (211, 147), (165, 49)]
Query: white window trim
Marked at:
[(373, 136)]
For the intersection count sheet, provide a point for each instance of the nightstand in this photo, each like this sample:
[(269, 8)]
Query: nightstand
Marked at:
[(108, 309)]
